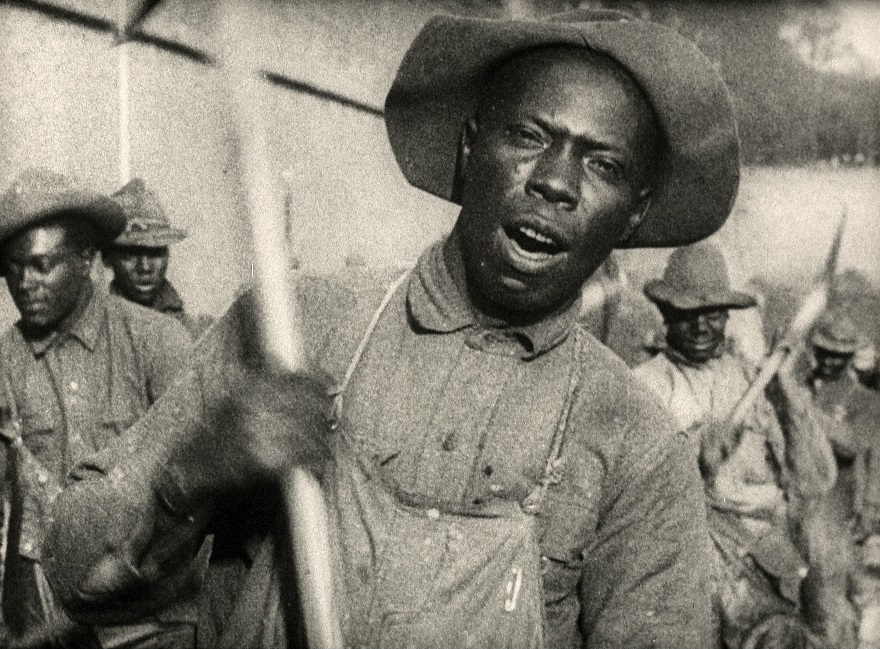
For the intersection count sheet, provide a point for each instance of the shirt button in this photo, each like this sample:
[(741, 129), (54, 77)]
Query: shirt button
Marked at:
[(449, 442), (74, 386), (28, 547), (42, 478)]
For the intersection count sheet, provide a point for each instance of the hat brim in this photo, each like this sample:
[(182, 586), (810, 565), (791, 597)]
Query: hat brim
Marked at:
[(100, 210), (442, 75), (145, 239), (818, 339), (660, 292)]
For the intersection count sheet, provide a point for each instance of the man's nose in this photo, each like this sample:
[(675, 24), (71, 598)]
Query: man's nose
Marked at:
[(30, 278), (556, 177), (143, 263), (701, 324)]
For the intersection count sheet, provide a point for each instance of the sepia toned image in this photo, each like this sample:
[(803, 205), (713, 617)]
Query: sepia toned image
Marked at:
[(440, 323)]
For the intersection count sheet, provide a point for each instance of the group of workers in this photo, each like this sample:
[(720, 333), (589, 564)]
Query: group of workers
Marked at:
[(494, 475)]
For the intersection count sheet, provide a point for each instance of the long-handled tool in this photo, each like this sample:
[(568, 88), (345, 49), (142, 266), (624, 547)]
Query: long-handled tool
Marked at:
[(281, 338), (816, 301)]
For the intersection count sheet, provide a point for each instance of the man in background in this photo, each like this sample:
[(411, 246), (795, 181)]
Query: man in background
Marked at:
[(761, 477), (852, 509), (139, 257), (77, 369)]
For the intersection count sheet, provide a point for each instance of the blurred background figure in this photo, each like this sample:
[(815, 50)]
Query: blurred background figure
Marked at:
[(139, 257), (618, 315), (76, 370), (854, 503), (762, 475)]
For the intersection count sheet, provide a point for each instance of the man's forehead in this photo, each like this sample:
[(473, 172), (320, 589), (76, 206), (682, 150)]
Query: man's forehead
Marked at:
[(532, 66), (690, 314)]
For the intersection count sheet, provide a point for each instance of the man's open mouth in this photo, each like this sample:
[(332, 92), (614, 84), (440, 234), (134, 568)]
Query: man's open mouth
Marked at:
[(534, 244)]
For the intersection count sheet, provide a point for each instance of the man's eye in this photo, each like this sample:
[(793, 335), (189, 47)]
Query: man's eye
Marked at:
[(608, 169), (525, 135), (44, 265)]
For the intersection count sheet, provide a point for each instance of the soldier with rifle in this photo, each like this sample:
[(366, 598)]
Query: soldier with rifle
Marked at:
[(852, 509), (494, 477)]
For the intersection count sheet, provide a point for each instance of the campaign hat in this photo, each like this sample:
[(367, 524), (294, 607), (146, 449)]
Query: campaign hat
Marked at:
[(147, 224), (696, 277), (38, 194), (443, 75)]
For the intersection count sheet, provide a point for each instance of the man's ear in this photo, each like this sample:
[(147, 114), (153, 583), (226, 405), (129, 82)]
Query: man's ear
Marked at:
[(462, 159), (637, 216)]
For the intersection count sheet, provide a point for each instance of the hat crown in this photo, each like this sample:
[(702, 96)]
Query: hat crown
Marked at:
[(698, 268), (836, 330), (38, 193), (38, 189), (142, 208)]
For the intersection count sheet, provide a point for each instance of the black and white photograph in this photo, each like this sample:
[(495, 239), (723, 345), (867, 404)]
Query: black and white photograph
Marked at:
[(430, 324)]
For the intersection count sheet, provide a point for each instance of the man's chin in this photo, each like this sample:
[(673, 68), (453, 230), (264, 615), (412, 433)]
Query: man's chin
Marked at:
[(521, 303), (701, 355), (37, 327)]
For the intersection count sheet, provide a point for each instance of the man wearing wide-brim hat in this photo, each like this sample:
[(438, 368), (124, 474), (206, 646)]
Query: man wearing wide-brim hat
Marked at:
[(758, 478), (496, 477), (78, 368), (139, 256)]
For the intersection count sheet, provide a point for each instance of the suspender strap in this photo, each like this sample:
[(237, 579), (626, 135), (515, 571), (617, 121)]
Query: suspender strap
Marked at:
[(339, 392)]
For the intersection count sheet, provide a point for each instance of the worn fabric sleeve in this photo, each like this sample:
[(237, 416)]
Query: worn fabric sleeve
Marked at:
[(645, 579), (115, 550)]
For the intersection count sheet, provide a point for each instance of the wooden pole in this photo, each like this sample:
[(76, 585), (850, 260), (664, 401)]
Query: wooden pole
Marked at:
[(123, 99), (813, 305), (279, 328)]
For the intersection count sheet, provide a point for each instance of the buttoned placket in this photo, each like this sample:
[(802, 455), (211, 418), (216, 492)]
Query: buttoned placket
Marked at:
[(463, 416), (68, 382)]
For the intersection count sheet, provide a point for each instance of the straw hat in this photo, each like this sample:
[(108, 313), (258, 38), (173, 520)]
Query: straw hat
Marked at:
[(696, 278), (37, 194), (442, 77), (147, 224)]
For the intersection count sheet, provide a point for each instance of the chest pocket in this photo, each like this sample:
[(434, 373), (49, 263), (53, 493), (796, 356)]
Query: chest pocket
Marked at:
[(126, 395)]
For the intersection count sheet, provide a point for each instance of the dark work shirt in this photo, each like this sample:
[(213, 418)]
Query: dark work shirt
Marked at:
[(78, 390)]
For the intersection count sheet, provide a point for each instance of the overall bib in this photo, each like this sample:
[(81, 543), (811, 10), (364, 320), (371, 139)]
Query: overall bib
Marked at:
[(417, 573)]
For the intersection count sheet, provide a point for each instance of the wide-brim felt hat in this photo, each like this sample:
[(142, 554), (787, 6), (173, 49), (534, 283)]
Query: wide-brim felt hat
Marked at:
[(837, 333), (696, 278), (443, 74), (147, 224), (37, 194)]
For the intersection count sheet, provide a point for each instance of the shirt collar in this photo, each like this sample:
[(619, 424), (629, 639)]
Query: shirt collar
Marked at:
[(168, 300), (438, 301), (85, 329)]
